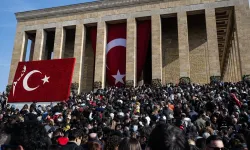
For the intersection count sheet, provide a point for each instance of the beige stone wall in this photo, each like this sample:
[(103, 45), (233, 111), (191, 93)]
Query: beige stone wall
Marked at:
[(170, 51), (197, 48)]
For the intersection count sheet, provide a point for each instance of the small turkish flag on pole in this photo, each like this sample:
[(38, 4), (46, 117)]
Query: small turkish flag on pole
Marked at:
[(42, 81)]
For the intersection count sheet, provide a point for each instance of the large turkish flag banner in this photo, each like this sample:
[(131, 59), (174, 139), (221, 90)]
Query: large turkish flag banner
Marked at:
[(116, 54), (116, 50), (42, 81)]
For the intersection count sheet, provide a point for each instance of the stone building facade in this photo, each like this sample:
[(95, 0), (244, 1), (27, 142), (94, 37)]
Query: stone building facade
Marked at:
[(199, 39)]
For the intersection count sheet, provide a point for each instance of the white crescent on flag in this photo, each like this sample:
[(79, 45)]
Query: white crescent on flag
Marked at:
[(115, 43), (25, 80)]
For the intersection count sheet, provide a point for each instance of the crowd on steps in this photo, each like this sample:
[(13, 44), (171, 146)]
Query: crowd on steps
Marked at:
[(214, 116)]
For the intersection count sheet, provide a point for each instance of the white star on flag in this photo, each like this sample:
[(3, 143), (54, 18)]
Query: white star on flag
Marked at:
[(118, 77), (45, 79)]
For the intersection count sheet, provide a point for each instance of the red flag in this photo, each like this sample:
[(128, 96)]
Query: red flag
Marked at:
[(42, 81), (116, 48), (143, 37), (116, 54), (93, 34)]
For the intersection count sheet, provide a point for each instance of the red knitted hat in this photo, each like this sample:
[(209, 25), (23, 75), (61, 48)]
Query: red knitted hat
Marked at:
[(62, 140)]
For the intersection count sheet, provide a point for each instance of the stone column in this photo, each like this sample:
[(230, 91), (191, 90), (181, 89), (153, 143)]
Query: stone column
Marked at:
[(19, 51), (234, 62), (39, 50), (59, 44), (79, 52), (228, 70), (183, 44), (156, 50), (230, 67), (213, 51), (131, 53), (100, 58), (226, 74), (242, 18), (236, 50)]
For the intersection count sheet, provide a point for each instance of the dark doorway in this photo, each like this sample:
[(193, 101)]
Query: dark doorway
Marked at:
[(49, 47), (147, 71), (69, 41)]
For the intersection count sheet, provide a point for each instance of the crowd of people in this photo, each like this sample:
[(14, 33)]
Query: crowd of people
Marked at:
[(215, 116)]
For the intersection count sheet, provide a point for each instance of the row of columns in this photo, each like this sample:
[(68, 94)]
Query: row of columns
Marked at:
[(232, 69), (40, 44), (131, 79), (239, 55), (213, 53), (100, 69)]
